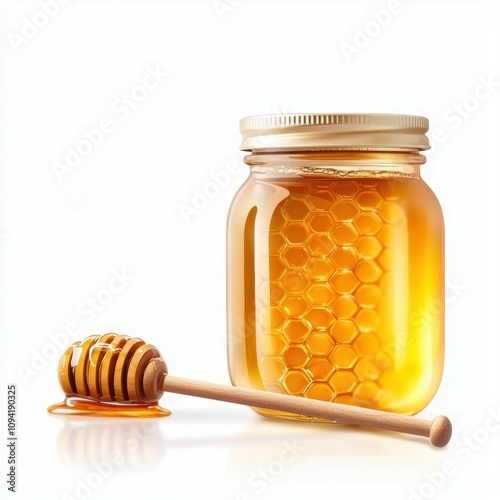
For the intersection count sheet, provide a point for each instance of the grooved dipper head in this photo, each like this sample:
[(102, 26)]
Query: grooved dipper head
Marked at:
[(113, 368)]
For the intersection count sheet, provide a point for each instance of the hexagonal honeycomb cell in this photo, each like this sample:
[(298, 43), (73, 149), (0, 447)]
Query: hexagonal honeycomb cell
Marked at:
[(321, 200), (367, 344), (345, 211), (295, 356), (368, 223), (367, 247), (369, 200), (344, 234), (296, 330), (368, 271), (344, 282), (343, 356), (321, 223), (324, 298), (343, 381), (320, 245), (296, 233), (320, 343), (320, 369), (344, 331), (295, 210), (295, 256), (367, 320), (320, 294), (344, 258), (368, 296), (296, 381), (344, 307), (319, 269), (321, 391), (294, 281), (295, 306)]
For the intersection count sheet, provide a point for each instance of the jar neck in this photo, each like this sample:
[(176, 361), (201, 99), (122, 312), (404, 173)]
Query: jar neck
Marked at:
[(338, 163)]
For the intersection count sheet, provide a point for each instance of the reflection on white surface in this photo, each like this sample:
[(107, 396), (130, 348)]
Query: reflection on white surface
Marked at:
[(127, 444), (268, 452), (220, 451)]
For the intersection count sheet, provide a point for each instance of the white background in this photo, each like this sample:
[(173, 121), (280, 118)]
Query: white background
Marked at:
[(120, 210)]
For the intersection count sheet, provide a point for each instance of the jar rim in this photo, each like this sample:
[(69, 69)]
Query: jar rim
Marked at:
[(334, 131)]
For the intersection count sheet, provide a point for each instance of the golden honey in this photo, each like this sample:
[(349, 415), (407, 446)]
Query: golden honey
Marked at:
[(103, 375), (335, 278), (91, 408)]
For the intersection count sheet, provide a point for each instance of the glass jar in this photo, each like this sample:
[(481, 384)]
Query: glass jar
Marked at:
[(336, 262)]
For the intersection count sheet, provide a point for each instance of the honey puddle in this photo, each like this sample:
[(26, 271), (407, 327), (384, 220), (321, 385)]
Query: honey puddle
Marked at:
[(81, 406)]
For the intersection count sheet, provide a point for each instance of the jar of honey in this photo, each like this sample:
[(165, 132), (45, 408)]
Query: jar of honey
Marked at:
[(336, 262)]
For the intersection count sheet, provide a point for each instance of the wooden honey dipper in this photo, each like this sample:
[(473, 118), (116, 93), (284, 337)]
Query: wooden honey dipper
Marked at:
[(119, 369)]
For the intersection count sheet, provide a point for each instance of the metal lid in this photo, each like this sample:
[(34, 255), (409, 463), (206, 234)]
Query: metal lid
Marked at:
[(329, 131)]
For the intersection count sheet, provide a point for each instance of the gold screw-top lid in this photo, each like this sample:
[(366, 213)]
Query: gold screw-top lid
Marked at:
[(331, 131)]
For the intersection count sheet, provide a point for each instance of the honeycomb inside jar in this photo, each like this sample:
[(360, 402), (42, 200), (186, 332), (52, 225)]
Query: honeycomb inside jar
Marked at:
[(340, 296)]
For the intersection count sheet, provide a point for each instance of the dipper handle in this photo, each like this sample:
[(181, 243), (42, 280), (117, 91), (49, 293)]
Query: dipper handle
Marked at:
[(438, 430)]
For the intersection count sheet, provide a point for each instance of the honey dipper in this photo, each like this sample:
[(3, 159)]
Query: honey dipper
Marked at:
[(119, 369)]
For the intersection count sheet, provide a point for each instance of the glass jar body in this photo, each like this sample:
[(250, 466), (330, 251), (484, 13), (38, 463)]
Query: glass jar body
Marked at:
[(336, 280)]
